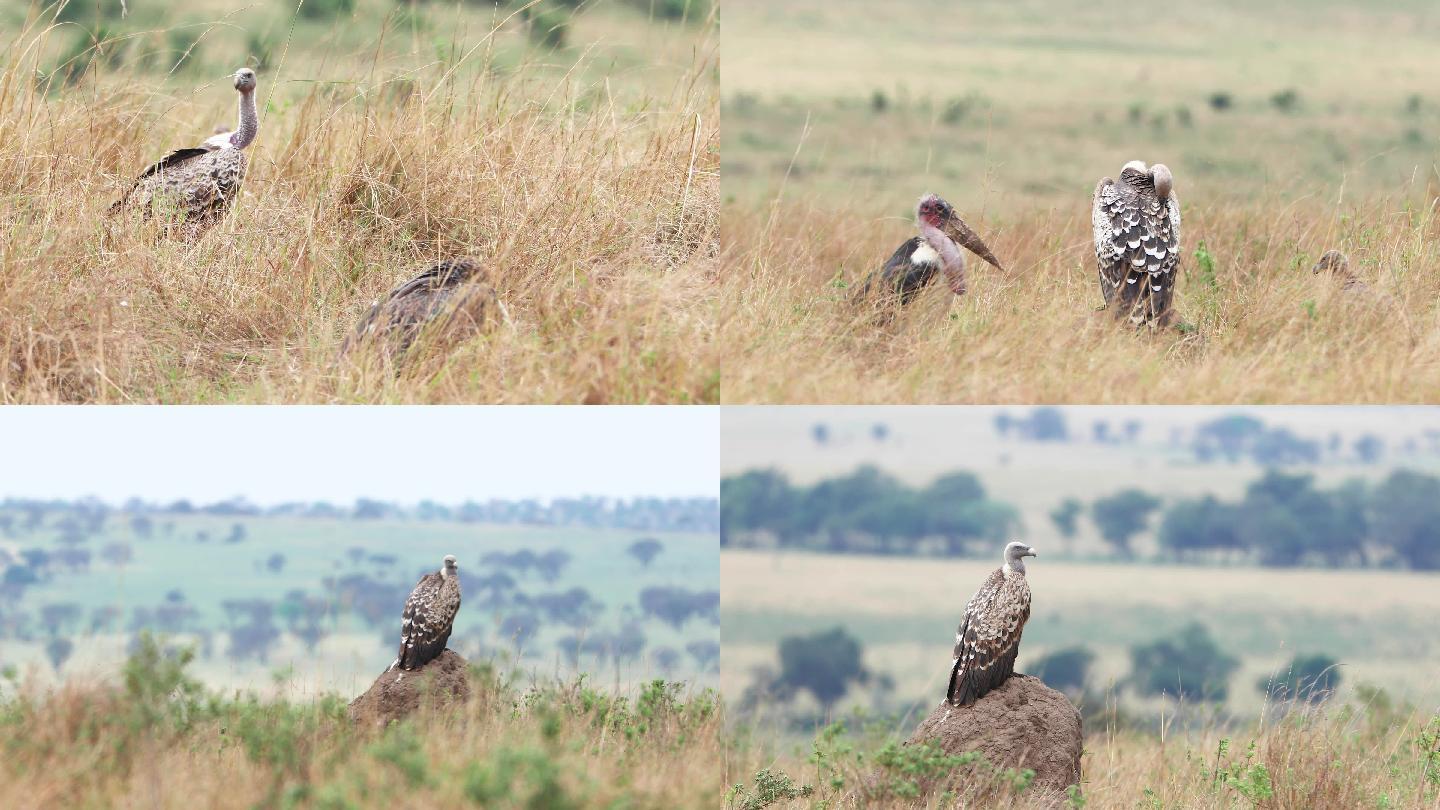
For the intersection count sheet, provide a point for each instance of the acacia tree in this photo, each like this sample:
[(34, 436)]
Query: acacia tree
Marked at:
[(645, 550), (1311, 678), (823, 664), (1122, 516), (1066, 518), (1187, 666), (1406, 513)]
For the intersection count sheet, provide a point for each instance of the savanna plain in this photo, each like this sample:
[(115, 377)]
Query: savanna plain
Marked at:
[(185, 655), (1182, 650), (572, 149), (1291, 129)]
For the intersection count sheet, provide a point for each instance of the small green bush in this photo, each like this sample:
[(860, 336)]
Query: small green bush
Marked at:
[(771, 787)]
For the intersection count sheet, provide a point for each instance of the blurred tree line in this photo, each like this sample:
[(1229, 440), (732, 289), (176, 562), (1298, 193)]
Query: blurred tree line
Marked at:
[(1284, 519), (866, 511), (1231, 439), (88, 516), (1186, 665)]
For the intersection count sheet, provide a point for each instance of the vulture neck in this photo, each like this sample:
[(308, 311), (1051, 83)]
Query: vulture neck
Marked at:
[(1015, 567), (249, 122), (950, 259)]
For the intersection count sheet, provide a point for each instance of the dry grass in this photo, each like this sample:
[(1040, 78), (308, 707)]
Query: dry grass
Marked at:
[(595, 215), (1259, 329), (1374, 756), (552, 746)]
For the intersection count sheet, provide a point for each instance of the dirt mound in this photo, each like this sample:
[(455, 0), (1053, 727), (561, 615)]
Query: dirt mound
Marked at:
[(1023, 724), (442, 682)]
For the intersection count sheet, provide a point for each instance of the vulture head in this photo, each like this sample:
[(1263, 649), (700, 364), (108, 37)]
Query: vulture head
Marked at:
[(451, 568), (1143, 177), (1016, 549), (245, 80), (936, 213), (1015, 554), (1163, 180)]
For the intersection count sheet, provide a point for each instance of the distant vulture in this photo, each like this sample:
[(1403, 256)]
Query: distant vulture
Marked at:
[(429, 617), (1337, 265), (989, 635), (1137, 242), (454, 294), (192, 188), (936, 249)]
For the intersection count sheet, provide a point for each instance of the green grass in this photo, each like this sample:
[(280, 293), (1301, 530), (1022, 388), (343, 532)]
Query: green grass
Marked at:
[(157, 738)]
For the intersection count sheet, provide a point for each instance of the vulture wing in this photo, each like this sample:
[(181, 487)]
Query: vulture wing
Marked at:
[(1137, 239), (408, 307), (425, 623), (176, 158), (989, 638)]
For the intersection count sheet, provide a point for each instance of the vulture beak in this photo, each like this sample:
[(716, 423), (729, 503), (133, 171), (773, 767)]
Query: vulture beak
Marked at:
[(1031, 552), (956, 229)]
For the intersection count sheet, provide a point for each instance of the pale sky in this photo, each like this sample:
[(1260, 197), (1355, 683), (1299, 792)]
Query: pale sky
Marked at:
[(274, 454)]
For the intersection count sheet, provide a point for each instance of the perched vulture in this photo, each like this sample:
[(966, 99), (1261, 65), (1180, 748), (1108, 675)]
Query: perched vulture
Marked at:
[(935, 250), (453, 294), (989, 635), (429, 617), (192, 188), (1137, 242)]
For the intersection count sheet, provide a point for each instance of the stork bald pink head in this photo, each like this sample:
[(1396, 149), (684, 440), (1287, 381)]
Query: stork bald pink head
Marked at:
[(939, 214)]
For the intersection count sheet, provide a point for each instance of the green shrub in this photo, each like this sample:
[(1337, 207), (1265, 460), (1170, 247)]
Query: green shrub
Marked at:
[(771, 787)]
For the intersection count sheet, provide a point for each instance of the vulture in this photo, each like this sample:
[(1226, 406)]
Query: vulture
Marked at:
[(989, 635), (1337, 265), (429, 617), (195, 186), (1137, 242), (454, 294), (936, 249)]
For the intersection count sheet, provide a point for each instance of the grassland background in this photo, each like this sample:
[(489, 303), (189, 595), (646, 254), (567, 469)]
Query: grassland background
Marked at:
[(210, 571), (1002, 106), (1364, 749), (585, 176), (1377, 623), (1013, 111)]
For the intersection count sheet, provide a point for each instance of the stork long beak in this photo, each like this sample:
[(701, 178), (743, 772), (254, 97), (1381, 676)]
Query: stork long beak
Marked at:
[(956, 229)]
